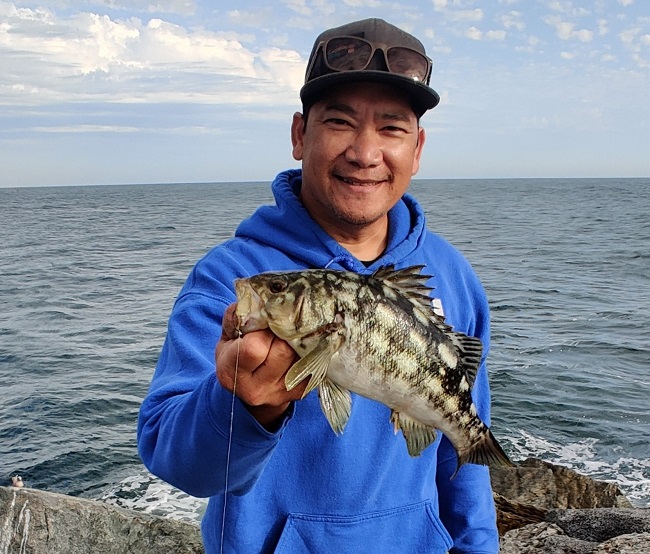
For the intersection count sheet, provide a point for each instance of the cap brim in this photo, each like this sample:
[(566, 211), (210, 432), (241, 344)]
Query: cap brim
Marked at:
[(423, 97)]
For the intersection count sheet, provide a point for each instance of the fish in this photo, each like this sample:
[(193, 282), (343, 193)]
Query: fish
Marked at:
[(376, 336)]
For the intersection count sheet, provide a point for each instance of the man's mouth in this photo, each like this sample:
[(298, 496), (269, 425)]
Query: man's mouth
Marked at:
[(359, 182)]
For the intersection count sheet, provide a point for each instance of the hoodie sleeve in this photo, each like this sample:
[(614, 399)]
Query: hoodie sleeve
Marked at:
[(184, 426)]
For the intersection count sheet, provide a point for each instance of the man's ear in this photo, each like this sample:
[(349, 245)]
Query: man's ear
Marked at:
[(418, 150), (297, 134)]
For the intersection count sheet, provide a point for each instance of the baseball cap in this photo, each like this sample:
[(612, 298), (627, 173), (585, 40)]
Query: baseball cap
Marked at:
[(370, 50)]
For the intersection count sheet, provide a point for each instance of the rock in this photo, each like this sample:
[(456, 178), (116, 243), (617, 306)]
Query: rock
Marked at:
[(546, 538), (600, 525), (625, 544), (541, 508), (524, 494), (548, 486), (512, 514), (574, 490), (41, 522), (588, 531)]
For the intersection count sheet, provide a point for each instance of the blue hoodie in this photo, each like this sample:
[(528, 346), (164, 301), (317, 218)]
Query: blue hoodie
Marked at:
[(302, 488)]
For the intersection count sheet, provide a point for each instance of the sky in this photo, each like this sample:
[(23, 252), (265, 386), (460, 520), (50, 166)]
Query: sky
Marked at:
[(168, 91)]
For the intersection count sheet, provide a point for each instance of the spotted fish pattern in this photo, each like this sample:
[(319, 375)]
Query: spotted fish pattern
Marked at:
[(378, 336)]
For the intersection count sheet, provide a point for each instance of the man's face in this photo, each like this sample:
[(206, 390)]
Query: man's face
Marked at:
[(359, 150)]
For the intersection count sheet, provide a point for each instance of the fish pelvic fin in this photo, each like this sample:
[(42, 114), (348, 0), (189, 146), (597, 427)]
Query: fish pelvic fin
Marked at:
[(315, 364), (485, 451), (417, 435), (336, 403)]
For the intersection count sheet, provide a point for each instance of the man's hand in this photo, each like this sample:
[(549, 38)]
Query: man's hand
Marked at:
[(263, 360)]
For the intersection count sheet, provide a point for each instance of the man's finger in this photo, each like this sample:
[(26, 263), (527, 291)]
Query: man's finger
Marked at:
[(229, 323)]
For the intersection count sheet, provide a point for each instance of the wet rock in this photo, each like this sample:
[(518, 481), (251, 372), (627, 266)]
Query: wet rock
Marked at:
[(526, 493), (41, 522)]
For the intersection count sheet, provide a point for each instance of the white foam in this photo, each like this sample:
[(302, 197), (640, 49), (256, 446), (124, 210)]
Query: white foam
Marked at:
[(149, 494), (146, 493)]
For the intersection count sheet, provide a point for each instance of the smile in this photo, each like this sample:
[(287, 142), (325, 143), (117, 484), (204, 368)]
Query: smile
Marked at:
[(360, 182)]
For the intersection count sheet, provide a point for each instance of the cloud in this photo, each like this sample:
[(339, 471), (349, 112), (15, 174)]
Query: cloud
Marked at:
[(567, 8), (465, 15), (86, 129), (298, 6), (625, 3), (45, 58), (255, 19), (628, 36), (566, 30), (181, 7), (531, 42), (362, 3), (512, 20), (474, 33), (635, 42), (495, 35)]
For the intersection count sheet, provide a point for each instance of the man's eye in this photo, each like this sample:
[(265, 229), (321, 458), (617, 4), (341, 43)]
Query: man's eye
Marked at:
[(394, 129), (337, 121)]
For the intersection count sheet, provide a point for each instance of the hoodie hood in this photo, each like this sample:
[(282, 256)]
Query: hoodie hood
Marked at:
[(288, 227)]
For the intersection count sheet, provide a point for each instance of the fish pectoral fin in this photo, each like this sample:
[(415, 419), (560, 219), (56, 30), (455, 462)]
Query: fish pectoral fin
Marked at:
[(314, 364), (417, 435), (336, 404)]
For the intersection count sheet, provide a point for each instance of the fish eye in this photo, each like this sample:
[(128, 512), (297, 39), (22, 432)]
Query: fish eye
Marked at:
[(277, 285)]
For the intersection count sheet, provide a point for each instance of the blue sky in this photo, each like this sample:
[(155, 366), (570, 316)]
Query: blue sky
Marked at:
[(200, 91)]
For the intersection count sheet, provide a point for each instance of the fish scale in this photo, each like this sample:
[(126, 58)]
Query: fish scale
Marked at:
[(378, 336)]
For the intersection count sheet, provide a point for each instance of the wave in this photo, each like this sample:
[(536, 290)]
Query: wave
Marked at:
[(144, 492)]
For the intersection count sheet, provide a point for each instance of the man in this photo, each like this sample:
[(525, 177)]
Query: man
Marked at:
[(278, 478)]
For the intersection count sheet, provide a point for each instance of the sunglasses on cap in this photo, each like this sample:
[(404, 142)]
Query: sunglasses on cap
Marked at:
[(355, 54)]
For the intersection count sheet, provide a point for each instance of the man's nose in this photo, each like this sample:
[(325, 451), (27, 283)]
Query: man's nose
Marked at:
[(365, 150)]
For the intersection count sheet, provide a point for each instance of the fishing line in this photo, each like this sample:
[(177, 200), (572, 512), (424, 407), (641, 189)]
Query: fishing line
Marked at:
[(232, 417)]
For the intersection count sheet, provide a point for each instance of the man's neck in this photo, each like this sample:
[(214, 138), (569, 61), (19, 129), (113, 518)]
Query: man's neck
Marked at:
[(367, 243)]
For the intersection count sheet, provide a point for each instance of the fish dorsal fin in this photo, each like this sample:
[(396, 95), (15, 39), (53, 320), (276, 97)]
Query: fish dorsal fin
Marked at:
[(409, 283), (470, 350)]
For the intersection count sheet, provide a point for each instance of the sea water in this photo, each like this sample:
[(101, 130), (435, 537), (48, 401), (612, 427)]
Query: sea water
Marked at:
[(88, 276)]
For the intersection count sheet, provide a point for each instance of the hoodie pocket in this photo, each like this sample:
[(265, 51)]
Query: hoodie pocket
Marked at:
[(408, 529)]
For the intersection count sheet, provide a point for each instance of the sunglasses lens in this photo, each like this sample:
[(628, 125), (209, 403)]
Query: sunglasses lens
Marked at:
[(409, 63), (347, 54)]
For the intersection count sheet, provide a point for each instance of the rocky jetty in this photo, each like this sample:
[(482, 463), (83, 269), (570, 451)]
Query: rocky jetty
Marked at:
[(39, 522), (550, 509), (541, 508)]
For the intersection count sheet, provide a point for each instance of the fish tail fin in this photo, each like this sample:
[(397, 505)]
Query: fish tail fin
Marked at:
[(486, 451)]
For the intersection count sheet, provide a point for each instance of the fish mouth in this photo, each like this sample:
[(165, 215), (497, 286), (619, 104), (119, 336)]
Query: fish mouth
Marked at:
[(248, 313)]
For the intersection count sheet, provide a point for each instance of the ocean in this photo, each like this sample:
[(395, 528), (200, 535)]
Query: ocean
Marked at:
[(88, 276)]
